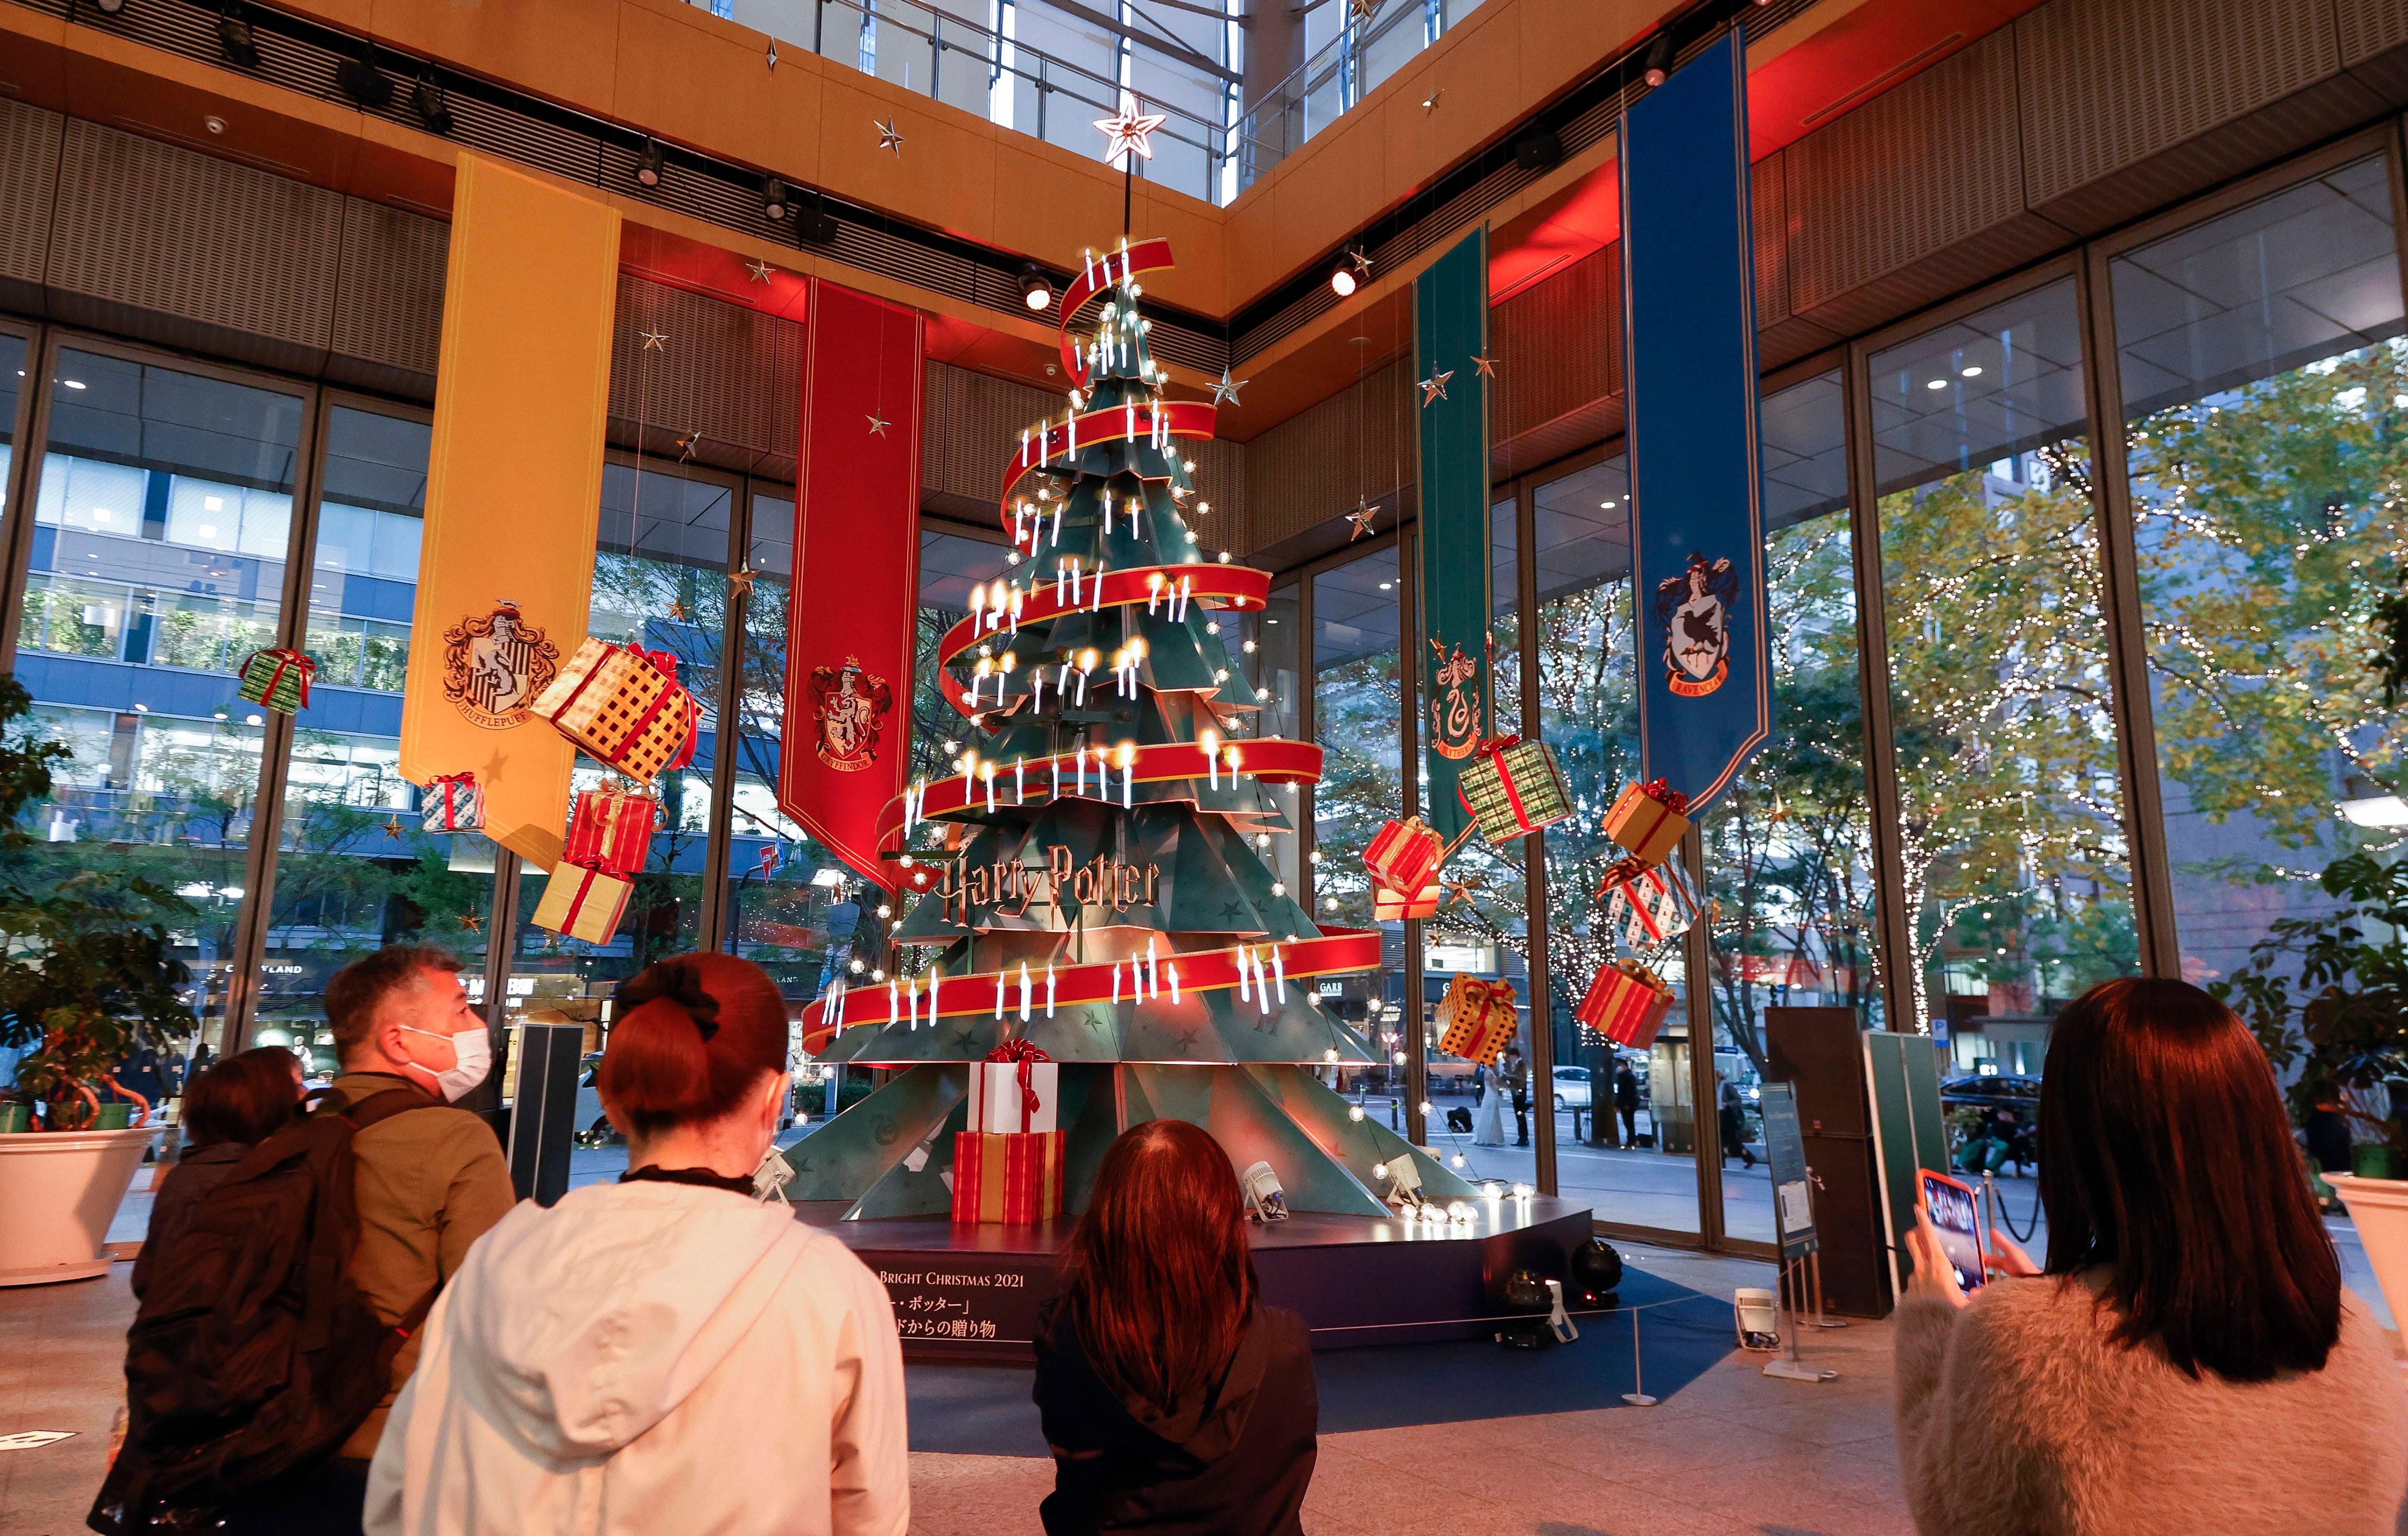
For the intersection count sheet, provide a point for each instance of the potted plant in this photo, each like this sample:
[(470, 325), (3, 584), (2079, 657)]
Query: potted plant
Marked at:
[(86, 972), (2328, 997)]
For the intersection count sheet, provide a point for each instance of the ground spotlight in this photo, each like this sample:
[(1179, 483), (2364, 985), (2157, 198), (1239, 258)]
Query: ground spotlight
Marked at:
[(362, 81), (235, 39), (648, 163), (427, 99), (1658, 65), (1035, 288), (775, 199)]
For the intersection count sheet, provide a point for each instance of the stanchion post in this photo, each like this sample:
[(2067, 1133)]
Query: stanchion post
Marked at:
[(1637, 1396)]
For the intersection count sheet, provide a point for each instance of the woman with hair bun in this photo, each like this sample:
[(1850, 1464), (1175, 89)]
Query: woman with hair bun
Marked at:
[(665, 1354)]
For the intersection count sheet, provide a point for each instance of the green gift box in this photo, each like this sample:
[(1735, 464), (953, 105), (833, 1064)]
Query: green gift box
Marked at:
[(1512, 788), (278, 679)]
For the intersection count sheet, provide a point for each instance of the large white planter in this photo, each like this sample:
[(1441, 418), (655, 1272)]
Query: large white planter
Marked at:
[(59, 1191), (2378, 1207)]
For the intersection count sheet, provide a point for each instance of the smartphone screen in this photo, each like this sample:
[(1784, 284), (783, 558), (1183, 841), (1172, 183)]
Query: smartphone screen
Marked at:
[(1957, 1215)]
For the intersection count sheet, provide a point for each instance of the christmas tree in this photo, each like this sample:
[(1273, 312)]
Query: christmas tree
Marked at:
[(1090, 876)]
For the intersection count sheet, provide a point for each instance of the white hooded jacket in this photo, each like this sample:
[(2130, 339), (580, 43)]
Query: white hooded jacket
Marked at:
[(651, 1359)]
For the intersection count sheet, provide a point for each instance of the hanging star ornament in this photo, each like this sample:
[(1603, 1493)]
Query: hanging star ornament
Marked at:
[(760, 269), (888, 139), (1429, 103), (393, 829), (471, 923), (1361, 518), (1486, 366), (740, 580), (1364, 9), (686, 444), (1434, 387), (678, 610), (1225, 391), (1129, 132), (654, 342), (1361, 260), (878, 425)]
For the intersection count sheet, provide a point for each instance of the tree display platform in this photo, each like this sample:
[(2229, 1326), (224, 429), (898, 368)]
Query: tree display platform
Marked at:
[(1090, 876)]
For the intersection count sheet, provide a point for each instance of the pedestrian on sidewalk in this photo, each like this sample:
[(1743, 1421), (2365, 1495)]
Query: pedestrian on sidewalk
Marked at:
[(1173, 1400), (666, 1353), (1517, 1081), (1626, 1100), (2188, 1361)]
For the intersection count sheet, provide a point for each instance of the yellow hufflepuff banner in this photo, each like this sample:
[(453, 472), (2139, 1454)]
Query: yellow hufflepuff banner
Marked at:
[(513, 494)]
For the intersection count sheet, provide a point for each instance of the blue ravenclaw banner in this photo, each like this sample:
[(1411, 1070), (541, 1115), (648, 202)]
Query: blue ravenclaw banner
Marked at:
[(1697, 526), (1451, 396)]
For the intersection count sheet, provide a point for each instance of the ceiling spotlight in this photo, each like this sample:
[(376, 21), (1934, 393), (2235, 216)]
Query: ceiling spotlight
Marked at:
[(1343, 277), (649, 162), (362, 81), (775, 199), (812, 223), (235, 39), (109, 8), (1658, 65), (1035, 288), (426, 98)]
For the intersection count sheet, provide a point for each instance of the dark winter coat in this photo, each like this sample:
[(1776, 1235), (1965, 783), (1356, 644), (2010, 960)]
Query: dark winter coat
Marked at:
[(1235, 1463), (195, 1173)]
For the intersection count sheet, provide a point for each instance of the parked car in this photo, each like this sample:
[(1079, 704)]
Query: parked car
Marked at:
[(2021, 1093), (1572, 1087)]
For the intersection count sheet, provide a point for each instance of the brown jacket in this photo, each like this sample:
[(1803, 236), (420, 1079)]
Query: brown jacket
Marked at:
[(428, 1184)]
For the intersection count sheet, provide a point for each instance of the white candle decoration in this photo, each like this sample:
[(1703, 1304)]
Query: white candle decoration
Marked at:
[(1048, 989), (1116, 984), (1152, 592), (912, 1000), (935, 976), (1279, 971), (986, 771), (999, 994), (1173, 968), (1152, 972), (1019, 782), (1059, 570), (894, 997), (1245, 977), (1211, 743), (1262, 985), (1027, 988)]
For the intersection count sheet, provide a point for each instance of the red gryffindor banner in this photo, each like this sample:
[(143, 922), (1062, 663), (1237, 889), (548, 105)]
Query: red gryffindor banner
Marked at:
[(854, 606)]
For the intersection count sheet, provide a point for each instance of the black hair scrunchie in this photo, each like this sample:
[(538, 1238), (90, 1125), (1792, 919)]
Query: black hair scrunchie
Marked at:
[(679, 980)]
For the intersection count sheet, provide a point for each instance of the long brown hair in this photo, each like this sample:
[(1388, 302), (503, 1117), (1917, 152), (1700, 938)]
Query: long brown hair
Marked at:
[(694, 1033), (1158, 1278), (2165, 1156)]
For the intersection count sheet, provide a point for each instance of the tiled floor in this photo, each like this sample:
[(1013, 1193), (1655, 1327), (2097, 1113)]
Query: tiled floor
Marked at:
[(1731, 1453)]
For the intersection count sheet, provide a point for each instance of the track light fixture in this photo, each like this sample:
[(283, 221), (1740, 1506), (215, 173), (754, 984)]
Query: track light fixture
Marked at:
[(776, 200), (433, 110), (649, 162), (235, 39), (1346, 276), (814, 225), (362, 81), (1658, 65), (1035, 288)]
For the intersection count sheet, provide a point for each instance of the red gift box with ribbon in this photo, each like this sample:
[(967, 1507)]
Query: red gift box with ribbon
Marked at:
[(1477, 1018), (611, 830), (1404, 855), (1016, 1088), (1012, 1177), (454, 803), (1648, 820), (622, 704), (1626, 1004)]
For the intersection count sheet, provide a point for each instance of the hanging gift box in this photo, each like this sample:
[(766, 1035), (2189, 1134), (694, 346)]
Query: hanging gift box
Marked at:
[(611, 830), (1626, 1004), (454, 803), (622, 704), (1016, 1088), (1389, 906), (1647, 904), (1404, 855), (1648, 820), (278, 679), (1476, 1018), (1512, 788), (582, 903), (1010, 1177)]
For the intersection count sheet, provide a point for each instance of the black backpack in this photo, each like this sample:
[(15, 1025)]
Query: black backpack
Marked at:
[(253, 1354)]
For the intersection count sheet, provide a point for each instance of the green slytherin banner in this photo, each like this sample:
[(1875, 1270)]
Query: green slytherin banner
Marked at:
[(1450, 399)]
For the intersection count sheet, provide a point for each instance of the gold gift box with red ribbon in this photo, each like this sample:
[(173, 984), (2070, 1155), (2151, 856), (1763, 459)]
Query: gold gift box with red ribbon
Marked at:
[(1626, 1004), (1404, 855), (1012, 1177), (1389, 906), (1648, 820), (1476, 1018), (582, 903), (622, 704)]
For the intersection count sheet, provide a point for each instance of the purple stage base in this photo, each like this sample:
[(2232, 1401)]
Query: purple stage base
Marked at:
[(973, 1292)]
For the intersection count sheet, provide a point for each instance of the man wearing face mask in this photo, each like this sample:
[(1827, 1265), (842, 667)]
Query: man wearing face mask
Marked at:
[(428, 1184)]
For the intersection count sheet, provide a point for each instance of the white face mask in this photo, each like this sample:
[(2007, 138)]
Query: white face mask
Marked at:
[(472, 1052)]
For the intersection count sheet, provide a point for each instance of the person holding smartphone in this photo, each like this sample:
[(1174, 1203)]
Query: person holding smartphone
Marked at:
[(2188, 1359)]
